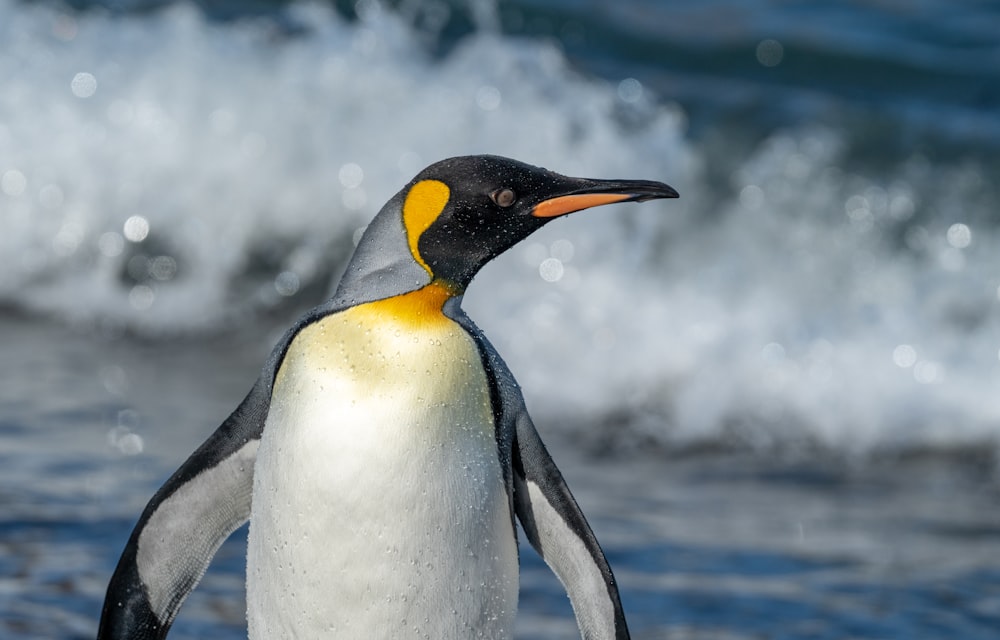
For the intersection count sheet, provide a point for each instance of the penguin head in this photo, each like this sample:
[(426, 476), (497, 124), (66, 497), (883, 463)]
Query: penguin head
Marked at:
[(460, 213)]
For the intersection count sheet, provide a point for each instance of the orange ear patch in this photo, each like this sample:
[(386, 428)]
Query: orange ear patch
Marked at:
[(424, 203)]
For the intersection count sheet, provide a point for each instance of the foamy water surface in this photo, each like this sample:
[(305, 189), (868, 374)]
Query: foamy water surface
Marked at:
[(167, 175)]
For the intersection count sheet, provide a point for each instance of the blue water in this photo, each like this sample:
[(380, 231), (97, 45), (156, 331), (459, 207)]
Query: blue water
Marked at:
[(790, 373)]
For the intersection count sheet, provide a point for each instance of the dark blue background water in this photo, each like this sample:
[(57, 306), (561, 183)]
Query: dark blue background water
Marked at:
[(791, 374)]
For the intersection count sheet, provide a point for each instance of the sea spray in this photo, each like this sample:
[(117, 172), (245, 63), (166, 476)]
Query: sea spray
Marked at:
[(168, 175)]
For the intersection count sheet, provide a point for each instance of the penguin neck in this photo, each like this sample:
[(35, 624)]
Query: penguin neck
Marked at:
[(419, 307)]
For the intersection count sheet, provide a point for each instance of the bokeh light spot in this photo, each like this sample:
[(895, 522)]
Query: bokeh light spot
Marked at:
[(83, 85), (752, 197), (562, 250), (488, 98), (127, 442), (770, 52), (904, 356), (351, 175), (136, 228), (926, 372), (141, 297), (630, 90), (287, 283), (959, 235), (163, 268), (13, 182), (551, 269)]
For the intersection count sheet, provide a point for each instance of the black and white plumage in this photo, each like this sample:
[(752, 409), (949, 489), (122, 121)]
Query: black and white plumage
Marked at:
[(385, 451)]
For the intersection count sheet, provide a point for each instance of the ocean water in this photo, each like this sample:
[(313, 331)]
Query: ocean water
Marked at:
[(776, 397)]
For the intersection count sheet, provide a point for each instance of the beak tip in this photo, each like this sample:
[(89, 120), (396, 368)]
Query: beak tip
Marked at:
[(663, 191)]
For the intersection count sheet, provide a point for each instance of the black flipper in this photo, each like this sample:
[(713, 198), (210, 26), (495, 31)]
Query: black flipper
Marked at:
[(559, 532), (553, 522), (184, 524), (191, 515)]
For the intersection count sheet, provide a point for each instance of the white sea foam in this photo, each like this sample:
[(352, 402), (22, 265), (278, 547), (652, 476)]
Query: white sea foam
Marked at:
[(791, 307), (242, 158), (167, 174)]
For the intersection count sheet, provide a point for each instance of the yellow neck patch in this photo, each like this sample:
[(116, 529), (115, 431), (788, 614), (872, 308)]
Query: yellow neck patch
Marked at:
[(424, 203), (420, 307), (371, 329)]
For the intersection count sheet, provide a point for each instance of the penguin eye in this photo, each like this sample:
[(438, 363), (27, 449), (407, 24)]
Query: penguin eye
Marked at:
[(504, 197)]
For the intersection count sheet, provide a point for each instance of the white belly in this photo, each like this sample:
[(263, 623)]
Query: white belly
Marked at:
[(378, 505)]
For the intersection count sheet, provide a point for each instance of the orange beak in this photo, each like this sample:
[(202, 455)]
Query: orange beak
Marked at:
[(599, 192)]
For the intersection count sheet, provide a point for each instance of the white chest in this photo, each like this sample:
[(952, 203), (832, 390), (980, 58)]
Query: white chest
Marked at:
[(378, 507)]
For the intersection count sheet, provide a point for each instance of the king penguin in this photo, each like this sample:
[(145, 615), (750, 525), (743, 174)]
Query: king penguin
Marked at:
[(384, 454)]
